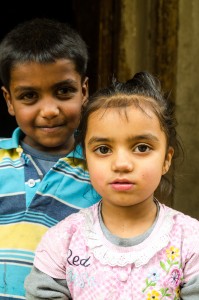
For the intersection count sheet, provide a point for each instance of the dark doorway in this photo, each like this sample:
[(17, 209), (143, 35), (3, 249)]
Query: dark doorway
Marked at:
[(81, 15)]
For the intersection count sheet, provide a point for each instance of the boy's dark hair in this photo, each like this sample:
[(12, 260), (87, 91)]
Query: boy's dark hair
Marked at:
[(41, 40)]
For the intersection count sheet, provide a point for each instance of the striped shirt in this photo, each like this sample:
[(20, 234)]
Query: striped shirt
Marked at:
[(29, 205)]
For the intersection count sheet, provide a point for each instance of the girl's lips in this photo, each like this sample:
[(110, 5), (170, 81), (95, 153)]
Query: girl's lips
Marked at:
[(122, 186)]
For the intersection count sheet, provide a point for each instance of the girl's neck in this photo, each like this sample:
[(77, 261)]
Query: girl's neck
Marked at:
[(128, 222)]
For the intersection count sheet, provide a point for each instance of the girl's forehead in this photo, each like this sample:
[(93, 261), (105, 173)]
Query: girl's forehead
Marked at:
[(119, 119), (125, 113), (124, 125)]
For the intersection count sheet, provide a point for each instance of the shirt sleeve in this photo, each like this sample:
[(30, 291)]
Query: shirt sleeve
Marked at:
[(40, 286), (190, 290), (51, 253)]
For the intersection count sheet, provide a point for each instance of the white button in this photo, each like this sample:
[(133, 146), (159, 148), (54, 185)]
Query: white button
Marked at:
[(123, 276), (31, 182)]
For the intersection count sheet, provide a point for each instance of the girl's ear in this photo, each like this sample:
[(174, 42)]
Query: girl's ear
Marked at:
[(7, 97), (168, 160)]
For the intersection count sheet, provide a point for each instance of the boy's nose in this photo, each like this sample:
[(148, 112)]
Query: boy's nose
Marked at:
[(49, 110)]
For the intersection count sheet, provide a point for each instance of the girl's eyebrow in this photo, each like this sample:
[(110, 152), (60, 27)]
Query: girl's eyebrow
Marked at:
[(145, 137), (95, 139), (148, 136)]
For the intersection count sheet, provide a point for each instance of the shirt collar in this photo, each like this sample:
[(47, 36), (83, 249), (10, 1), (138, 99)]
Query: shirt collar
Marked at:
[(13, 143)]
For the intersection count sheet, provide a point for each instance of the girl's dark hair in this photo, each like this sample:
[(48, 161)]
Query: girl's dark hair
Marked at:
[(143, 90)]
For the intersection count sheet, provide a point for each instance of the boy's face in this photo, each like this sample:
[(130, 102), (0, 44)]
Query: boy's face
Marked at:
[(46, 100)]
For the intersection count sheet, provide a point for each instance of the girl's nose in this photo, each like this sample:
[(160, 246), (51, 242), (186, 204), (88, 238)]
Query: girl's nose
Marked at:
[(122, 162)]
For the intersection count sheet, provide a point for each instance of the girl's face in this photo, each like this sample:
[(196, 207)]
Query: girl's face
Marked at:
[(126, 156)]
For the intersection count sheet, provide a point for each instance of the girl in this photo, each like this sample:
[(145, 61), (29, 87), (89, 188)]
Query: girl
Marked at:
[(128, 246)]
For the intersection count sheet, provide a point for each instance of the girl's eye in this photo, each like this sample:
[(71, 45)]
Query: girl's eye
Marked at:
[(102, 150), (142, 148)]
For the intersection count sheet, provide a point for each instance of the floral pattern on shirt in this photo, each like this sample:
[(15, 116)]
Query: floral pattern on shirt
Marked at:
[(173, 277)]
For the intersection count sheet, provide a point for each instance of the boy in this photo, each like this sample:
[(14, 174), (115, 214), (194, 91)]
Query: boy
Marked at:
[(43, 67)]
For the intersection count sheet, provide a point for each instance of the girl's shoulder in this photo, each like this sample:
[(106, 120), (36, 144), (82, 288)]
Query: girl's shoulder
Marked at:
[(180, 217), (75, 221), (182, 224)]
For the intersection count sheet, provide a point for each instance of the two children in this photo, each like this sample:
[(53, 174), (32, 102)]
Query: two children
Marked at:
[(43, 65), (129, 245)]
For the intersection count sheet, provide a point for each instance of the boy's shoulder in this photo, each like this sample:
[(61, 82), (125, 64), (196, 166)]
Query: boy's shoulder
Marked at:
[(12, 142), (4, 139)]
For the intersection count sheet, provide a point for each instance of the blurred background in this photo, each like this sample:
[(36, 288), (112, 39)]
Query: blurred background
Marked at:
[(125, 37)]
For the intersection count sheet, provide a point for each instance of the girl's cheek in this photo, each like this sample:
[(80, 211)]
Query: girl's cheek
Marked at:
[(150, 175), (97, 177)]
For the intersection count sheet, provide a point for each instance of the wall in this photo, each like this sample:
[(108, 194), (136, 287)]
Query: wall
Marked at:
[(187, 101), (163, 37)]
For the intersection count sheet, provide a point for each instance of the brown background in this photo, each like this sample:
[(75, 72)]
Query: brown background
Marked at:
[(126, 36)]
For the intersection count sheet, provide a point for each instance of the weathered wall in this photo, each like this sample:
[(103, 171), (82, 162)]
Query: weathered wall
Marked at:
[(134, 40), (187, 100), (163, 37)]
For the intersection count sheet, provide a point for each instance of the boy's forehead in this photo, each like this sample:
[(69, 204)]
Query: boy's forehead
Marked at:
[(62, 64), (31, 72)]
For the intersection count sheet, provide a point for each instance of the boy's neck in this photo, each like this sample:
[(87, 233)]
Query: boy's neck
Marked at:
[(50, 150), (41, 154)]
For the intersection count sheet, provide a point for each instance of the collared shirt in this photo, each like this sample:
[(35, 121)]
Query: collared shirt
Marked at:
[(162, 263), (30, 204)]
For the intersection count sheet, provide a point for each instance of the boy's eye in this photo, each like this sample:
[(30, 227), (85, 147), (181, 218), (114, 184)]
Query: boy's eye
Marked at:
[(65, 91), (102, 150), (142, 148), (29, 96)]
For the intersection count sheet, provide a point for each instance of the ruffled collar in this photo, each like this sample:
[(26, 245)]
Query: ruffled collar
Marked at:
[(108, 253)]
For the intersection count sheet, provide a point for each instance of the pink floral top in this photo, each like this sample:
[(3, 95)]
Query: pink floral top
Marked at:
[(94, 268)]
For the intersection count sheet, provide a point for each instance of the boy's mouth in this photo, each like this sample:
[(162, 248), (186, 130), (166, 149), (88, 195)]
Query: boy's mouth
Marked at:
[(50, 128)]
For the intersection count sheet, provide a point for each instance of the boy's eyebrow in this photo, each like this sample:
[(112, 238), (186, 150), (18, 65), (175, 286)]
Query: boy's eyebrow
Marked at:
[(68, 82), (23, 88), (146, 137)]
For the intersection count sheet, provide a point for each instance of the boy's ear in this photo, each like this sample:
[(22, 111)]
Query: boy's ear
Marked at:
[(85, 92), (7, 97), (168, 159)]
